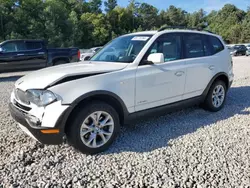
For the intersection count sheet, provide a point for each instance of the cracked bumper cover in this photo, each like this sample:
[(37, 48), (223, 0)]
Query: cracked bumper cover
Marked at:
[(35, 131)]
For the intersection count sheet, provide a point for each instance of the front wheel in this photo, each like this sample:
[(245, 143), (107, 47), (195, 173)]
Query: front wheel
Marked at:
[(94, 128), (216, 97)]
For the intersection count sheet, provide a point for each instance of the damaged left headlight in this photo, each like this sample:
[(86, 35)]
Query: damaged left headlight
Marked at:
[(40, 97)]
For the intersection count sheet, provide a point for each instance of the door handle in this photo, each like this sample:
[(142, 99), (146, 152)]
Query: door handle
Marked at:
[(212, 67), (180, 73), (20, 54), (41, 53)]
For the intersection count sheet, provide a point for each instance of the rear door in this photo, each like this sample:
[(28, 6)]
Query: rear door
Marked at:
[(12, 56), (36, 54), (202, 56)]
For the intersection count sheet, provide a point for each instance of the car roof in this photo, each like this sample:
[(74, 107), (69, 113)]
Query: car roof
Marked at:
[(143, 33), (29, 40), (172, 31)]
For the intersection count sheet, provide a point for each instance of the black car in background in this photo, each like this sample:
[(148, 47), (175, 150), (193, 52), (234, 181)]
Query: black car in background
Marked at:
[(238, 50), (33, 54)]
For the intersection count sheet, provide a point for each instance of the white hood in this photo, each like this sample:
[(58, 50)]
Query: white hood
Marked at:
[(42, 78)]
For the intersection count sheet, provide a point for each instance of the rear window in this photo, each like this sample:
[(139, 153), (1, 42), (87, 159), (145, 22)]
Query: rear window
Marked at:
[(33, 45), (217, 46)]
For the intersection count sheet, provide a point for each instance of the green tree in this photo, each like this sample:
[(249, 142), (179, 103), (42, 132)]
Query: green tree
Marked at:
[(29, 19), (95, 6), (148, 16), (246, 28), (57, 26), (197, 19), (226, 22), (110, 5), (97, 28), (175, 16), (7, 22)]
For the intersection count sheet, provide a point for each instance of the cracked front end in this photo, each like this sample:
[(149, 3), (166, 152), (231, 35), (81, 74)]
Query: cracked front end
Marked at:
[(39, 114)]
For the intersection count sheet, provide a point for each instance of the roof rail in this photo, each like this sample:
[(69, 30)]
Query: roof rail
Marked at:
[(183, 27)]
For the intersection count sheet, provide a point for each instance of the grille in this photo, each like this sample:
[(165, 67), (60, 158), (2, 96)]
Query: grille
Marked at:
[(22, 106), (20, 95)]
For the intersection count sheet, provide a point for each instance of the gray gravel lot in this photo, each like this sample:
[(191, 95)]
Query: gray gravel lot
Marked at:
[(189, 148)]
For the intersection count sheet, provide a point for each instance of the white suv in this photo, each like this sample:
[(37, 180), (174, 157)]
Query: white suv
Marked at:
[(133, 75)]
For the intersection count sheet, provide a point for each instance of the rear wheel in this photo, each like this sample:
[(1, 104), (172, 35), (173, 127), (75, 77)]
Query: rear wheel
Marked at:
[(94, 128), (216, 96)]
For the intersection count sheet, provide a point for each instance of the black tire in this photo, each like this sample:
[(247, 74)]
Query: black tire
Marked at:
[(73, 132), (208, 103), (60, 62), (86, 58)]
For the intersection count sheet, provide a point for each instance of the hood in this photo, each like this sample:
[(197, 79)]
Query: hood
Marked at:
[(45, 77)]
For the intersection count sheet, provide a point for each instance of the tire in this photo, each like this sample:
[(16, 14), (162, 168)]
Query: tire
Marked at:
[(59, 62), (79, 139), (86, 58), (210, 101)]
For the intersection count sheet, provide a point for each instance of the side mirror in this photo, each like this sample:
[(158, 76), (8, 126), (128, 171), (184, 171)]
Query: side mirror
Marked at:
[(156, 58), (1, 49)]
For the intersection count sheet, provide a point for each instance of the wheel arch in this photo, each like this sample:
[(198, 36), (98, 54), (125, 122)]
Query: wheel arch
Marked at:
[(219, 76), (104, 96), (66, 59)]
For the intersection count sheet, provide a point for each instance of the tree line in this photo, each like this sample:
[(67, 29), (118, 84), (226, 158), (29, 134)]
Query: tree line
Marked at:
[(84, 24)]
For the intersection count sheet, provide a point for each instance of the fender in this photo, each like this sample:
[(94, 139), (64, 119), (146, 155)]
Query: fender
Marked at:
[(204, 94), (101, 92), (64, 117)]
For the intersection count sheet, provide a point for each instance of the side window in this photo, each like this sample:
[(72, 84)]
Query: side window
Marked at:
[(169, 45), (33, 45), (193, 46), (20, 46), (216, 44), (9, 47), (207, 47)]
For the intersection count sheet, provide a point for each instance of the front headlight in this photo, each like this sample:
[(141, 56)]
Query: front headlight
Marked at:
[(40, 97)]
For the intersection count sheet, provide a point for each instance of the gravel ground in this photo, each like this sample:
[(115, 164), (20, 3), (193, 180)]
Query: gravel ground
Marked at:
[(189, 148)]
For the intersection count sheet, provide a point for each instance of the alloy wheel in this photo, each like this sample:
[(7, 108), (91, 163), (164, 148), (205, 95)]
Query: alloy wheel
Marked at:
[(97, 129), (218, 96)]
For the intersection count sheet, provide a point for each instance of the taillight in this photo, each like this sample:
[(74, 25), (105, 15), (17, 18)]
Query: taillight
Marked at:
[(78, 55)]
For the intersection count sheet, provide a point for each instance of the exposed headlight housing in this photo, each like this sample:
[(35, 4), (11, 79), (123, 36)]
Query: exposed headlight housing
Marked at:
[(40, 97)]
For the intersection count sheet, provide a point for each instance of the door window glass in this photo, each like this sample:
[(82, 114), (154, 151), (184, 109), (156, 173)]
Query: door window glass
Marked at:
[(9, 47), (20, 46), (193, 46), (169, 45), (207, 47)]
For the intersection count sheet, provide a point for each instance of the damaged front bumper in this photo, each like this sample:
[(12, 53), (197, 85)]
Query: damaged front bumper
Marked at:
[(45, 124)]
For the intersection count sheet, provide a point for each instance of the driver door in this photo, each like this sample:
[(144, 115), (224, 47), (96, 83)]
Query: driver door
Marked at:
[(161, 84)]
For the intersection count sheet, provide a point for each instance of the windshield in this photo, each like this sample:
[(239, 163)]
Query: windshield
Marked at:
[(123, 49)]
